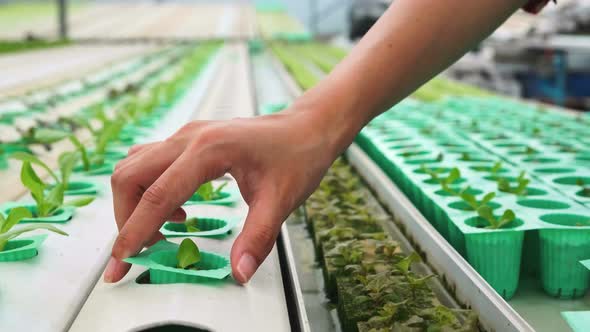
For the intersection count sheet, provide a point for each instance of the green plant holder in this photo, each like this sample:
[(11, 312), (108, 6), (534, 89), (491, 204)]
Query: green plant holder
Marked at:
[(104, 169), (502, 268), (161, 261), (76, 188), (561, 250), (21, 249), (385, 139), (61, 216), (210, 227), (229, 197)]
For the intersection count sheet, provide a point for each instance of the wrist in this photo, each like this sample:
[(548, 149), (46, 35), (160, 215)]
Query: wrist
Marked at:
[(333, 117)]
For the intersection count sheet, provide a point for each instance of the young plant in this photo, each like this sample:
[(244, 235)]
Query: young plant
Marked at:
[(473, 202), (404, 267), (49, 136), (465, 156), (191, 225), (14, 217), (208, 192), (454, 175), (49, 198), (585, 190), (433, 172), (486, 213), (519, 190), (188, 255), (496, 168)]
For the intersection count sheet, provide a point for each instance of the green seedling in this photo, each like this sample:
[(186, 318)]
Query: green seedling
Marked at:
[(434, 173), (520, 189), (188, 255), (496, 168), (404, 267), (15, 215), (49, 198), (208, 192), (454, 175), (191, 225), (465, 156), (486, 213), (475, 204), (585, 189), (49, 136)]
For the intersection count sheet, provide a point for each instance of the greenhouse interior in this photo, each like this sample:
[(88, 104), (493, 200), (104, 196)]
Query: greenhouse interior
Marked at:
[(284, 165)]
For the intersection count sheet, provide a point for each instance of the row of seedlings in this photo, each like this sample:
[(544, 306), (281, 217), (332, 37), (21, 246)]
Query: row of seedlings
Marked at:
[(482, 204), (365, 272), (135, 110), (549, 144)]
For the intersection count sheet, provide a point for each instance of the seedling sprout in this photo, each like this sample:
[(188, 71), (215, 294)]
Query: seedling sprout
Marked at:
[(15, 215)]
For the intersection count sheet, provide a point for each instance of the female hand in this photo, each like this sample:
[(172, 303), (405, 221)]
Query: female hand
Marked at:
[(277, 161)]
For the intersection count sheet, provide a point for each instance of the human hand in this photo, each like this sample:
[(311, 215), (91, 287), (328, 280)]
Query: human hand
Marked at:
[(277, 161)]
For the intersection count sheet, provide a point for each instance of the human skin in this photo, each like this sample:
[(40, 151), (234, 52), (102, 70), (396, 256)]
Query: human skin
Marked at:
[(278, 160)]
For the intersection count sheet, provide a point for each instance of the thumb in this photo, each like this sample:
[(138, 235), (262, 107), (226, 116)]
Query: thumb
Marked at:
[(256, 240)]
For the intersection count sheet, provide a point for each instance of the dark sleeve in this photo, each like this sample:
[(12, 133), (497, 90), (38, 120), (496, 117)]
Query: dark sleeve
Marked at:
[(535, 6)]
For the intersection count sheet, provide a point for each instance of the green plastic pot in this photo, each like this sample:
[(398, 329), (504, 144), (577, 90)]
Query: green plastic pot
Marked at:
[(21, 249), (60, 216)]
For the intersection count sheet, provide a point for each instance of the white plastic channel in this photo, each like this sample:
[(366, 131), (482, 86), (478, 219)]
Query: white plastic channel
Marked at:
[(495, 314), (45, 293), (258, 306)]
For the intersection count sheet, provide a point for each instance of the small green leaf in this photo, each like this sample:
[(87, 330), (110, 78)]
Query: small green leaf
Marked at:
[(488, 198), (487, 213), (49, 136), (4, 238), (405, 264), (506, 218), (496, 168), (205, 191), (470, 200), (82, 150), (67, 161), (188, 254), (191, 225), (31, 180), (80, 202), (14, 217), (27, 157)]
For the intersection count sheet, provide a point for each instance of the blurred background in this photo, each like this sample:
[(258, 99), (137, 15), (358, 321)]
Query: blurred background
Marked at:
[(544, 56)]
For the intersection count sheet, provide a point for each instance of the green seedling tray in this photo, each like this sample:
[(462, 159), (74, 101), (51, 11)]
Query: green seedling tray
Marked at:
[(579, 321), (21, 249), (210, 227), (104, 169), (76, 188), (230, 197), (61, 216), (113, 155), (548, 213), (161, 261)]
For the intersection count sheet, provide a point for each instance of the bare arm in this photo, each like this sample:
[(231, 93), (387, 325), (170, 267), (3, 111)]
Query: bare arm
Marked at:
[(279, 160), (410, 44)]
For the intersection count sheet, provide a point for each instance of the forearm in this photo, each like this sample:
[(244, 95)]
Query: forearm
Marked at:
[(411, 43)]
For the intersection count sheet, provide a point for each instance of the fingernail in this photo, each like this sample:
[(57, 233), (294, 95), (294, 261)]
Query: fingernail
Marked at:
[(109, 271), (246, 268)]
